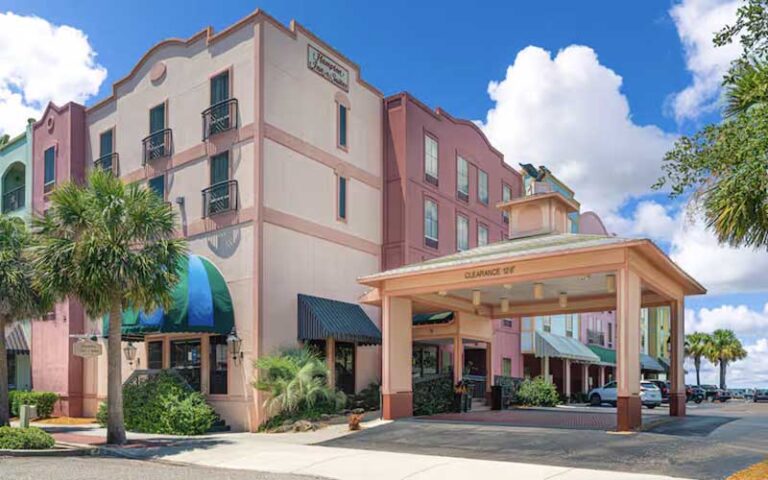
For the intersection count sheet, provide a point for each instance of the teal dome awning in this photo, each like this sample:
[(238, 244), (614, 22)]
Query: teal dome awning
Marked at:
[(201, 303)]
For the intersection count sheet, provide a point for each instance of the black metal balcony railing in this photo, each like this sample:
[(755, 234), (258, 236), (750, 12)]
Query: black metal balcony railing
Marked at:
[(219, 117), (14, 199), (109, 162), (596, 337), (220, 197), (157, 145)]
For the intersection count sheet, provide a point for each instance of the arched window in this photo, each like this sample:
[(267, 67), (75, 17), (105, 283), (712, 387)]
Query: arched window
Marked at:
[(13, 188)]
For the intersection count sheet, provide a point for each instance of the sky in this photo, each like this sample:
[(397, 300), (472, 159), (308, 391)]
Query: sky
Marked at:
[(596, 91)]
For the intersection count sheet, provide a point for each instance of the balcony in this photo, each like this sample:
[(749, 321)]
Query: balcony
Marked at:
[(157, 145), (595, 337), (109, 162), (219, 198), (14, 200), (219, 118)]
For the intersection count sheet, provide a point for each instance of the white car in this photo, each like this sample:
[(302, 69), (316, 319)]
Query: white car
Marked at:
[(650, 395)]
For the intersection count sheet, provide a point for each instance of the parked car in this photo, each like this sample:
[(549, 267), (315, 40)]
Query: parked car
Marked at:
[(737, 393), (650, 395), (663, 386), (714, 394), (761, 395), (697, 394)]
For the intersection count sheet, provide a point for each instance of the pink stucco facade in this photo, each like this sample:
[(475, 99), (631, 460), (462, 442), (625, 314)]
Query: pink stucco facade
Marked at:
[(54, 367)]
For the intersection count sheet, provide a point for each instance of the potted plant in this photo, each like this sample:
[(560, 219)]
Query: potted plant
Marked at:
[(354, 418), (460, 395)]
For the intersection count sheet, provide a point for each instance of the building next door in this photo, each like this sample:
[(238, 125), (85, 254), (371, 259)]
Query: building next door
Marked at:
[(186, 359), (345, 367)]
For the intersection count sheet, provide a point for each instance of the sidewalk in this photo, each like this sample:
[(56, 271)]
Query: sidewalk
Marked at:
[(294, 453)]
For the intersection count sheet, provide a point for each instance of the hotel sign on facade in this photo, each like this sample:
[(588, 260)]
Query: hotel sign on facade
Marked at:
[(327, 68)]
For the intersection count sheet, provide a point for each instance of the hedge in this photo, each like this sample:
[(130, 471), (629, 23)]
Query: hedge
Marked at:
[(45, 401), (31, 438), (538, 393), (163, 404), (433, 395)]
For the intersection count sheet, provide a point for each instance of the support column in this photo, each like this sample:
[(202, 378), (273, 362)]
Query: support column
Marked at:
[(601, 379), (585, 378), (629, 414), (488, 371), (545, 369), (676, 370), (458, 359), (330, 360), (567, 379), (397, 354)]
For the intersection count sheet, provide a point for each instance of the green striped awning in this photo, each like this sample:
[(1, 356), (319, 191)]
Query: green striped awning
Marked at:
[(322, 318), (558, 346), (432, 318), (607, 355)]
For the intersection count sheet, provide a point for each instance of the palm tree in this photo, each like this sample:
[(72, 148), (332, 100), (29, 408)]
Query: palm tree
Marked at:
[(19, 298), (724, 348), (696, 348), (749, 87), (112, 246)]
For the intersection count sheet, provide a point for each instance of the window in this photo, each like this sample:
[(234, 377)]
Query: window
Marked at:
[(105, 143), (155, 144), (342, 126), (462, 233), (341, 201), (425, 360), (569, 326), (157, 185), (430, 223), (507, 323), (155, 355), (218, 364), (506, 195), (186, 359), (482, 187), (547, 324), (482, 235), (219, 191), (221, 113), (506, 367), (610, 335), (462, 178), (157, 118), (49, 169), (430, 160)]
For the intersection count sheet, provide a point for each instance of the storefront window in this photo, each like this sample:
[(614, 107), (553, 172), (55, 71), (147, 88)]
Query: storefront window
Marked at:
[(345, 367), (185, 358), (155, 355), (218, 364), (425, 360)]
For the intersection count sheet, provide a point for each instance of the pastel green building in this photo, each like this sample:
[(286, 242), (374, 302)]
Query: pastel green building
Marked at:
[(16, 173)]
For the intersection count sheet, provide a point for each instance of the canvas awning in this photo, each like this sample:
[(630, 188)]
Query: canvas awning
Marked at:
[(201, 303), (16, 341), (607, 355), (650, 364), (558, 346), (664, 363), (322, 318), (432, 318)]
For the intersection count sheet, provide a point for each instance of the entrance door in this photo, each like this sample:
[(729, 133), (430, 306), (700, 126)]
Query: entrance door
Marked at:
[(345, 367), (186, 359)]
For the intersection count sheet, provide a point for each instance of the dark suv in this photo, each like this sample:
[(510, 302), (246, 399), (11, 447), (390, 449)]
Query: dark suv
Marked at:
[(664, 387), (714, 394)]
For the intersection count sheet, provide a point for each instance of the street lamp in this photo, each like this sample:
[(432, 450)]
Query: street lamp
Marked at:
[(130, 353), (235, 343)]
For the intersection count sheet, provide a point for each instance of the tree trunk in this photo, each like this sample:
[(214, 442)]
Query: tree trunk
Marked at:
[(722, 374), (115, 421), (5, 415), (697, 364)]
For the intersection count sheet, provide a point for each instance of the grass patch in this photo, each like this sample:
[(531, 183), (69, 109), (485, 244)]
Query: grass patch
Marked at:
[(758, 471)]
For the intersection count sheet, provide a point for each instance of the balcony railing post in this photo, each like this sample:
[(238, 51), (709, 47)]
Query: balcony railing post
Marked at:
[(220, 117), (157, 145)]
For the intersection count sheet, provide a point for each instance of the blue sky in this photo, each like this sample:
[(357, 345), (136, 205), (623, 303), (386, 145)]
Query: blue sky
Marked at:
[(597, 91)]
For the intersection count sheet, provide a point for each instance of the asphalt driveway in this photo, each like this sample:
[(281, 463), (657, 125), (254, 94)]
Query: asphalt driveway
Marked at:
[(712, 442)]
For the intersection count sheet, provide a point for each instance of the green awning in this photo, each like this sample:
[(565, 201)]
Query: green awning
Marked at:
[(650, 364), (558, 346), (432, 318), (322, 318), (201, 303), (607, 355)]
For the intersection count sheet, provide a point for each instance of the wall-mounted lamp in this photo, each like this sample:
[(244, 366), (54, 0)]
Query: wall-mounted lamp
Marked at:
[(235, 344), (610, 283), (538, 291), (562, 299), (504, 304), (130, 353), (476, 298)]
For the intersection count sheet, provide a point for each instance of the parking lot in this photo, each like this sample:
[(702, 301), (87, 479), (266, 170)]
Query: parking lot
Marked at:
[(712, 442)]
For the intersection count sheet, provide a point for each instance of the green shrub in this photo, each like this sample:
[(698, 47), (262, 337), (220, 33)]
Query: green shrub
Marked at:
[(31, 438), (296, 381), (433, 395), (538, 392), (45, 401), (368, 399), (163, 404)]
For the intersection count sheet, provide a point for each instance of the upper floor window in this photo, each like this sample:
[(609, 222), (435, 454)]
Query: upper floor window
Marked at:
[(569, 326), (222, 114), (49, 169), (462, 233), (158, 143), (106, 149), (157, 118), (610, 335), (547, 324), (430, 223), (343, 126), (462, 178), (482, 187), (506, 195), (430, 160), (157, 185), (482, 235), (341, 201)]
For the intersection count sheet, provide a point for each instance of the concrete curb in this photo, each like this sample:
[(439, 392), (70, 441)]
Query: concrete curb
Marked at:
[(59, 450)]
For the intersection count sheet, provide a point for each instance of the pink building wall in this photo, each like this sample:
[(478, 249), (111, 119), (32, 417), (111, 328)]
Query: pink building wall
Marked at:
[(54, 367), (506, 343)]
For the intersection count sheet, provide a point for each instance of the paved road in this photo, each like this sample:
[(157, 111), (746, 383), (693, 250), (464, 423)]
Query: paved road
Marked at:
[(711, 443), (104, 468)]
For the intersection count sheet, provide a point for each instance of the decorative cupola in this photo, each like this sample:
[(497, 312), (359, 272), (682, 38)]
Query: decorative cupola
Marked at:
[(539, 214)]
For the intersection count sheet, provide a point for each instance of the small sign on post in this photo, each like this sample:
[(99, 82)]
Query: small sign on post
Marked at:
[(87, 348)]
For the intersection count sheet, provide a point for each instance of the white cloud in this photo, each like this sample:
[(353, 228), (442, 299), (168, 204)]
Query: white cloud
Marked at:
[(568, 112), (649, 219), (696, 22), (42, 62), (739, 318)]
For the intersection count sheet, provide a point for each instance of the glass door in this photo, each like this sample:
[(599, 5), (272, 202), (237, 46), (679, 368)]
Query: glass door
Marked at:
[(345, 367), (186, 359)]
